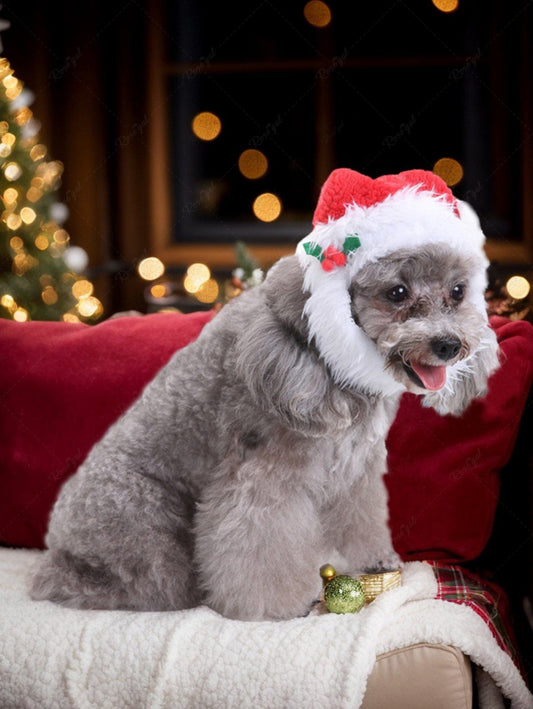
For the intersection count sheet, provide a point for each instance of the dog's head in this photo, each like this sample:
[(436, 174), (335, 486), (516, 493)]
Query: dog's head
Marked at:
[(421, 311), (396, 287)]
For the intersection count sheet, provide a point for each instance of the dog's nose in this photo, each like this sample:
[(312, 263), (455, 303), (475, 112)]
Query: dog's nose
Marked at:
[(446, 347)]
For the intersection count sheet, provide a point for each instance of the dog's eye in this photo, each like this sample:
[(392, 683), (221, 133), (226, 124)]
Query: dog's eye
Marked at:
[(458, 292), (397, 294)]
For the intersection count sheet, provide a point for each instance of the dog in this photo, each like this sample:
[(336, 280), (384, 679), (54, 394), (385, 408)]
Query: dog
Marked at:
[(257, 453)]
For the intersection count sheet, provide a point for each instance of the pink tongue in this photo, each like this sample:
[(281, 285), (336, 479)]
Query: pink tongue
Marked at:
[(433, 378)]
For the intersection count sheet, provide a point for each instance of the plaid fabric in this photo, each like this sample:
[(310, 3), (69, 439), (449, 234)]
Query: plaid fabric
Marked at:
[(457, 585)]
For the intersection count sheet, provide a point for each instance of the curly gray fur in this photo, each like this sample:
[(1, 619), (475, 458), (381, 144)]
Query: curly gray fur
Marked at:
[(243, 466)]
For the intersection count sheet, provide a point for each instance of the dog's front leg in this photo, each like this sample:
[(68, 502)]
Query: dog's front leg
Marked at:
[(359, 521), (258, 544)]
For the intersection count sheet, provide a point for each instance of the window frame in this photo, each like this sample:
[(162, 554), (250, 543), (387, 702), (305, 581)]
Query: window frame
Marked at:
[(222, 255)]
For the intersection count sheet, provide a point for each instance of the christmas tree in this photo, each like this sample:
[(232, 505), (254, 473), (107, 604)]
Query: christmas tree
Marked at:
[(35, 280)]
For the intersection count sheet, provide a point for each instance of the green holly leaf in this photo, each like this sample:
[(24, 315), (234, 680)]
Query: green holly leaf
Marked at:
[(351, 244), (313, 250)]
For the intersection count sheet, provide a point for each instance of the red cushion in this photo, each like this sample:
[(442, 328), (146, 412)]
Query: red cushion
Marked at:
[(444, 471), (62, 385)]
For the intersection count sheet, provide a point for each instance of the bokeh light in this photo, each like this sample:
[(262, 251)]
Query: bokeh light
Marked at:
[(151, 268), (267, 207), (450, 170), (206, 126), (71, 317), (49, 295), (89, 307), (82, 289), (16, 243), (10, 195), (197, 275), (159, 290), (446, 5), (21, 315), (41, 242), (13, 221), (253, 164), (317, 13), (28, 215), (7, 301), (518, 287), (208, 291), (38, 152), (12, 171)]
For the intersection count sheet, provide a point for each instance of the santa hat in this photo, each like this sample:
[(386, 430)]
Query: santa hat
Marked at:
[(359, 220)]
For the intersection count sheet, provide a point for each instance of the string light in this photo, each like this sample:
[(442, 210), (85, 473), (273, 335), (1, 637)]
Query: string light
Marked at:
[(38, 152), (41, 242), (208, 292), (267, 207), (82, 289), (7, 301), (197, 275), (10, 196), (253, 164), (450, 170), (16, 243), (151, 268), (158, 291), (518, 287), (28, 215), (23, 116), (49, 296), (446, 5), (70, 317), (89, 307), (317, 13), (206, 126), (60, 236), (13, 222), (33, 194), (12, 171), (8, 139), (21, 315)]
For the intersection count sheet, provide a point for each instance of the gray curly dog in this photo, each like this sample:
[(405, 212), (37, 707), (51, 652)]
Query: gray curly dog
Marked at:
[(257, 453)]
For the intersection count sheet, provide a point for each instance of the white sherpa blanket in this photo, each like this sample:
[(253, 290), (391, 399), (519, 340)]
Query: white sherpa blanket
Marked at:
[(54, 657)]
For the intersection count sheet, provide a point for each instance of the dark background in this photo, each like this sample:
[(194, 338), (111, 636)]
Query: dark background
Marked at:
[(386, 86)]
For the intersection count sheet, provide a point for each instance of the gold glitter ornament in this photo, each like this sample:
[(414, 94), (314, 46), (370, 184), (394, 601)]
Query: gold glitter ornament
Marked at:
[(344, 594)]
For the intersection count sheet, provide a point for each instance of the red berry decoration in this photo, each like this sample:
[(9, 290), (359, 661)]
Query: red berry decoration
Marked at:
[(333, 257)]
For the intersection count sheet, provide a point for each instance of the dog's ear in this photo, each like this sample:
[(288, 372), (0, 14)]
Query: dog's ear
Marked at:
[(281, 369), (467, 380)]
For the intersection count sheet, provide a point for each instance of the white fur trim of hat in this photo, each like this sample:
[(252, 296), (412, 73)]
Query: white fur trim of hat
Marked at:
[(359, 220)]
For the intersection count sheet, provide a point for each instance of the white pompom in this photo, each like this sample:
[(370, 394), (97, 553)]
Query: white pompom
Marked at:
[(76, 258)]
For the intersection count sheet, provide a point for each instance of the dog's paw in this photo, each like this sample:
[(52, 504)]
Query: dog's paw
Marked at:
[(391, 562)]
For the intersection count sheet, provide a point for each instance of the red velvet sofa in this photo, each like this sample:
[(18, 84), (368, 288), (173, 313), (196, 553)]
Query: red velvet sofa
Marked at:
[(62, 385)]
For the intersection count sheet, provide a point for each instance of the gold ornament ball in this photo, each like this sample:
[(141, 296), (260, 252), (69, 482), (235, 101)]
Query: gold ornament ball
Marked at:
[(344, 594), (327, 572)]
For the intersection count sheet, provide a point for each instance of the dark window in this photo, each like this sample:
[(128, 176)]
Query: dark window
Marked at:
[(384, 87)]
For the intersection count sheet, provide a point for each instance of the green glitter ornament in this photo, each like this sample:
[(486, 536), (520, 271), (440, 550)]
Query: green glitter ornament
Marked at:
[(344, 594)]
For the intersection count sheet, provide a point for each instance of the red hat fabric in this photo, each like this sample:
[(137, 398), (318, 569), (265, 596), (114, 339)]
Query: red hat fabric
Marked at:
[(345, 186)]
